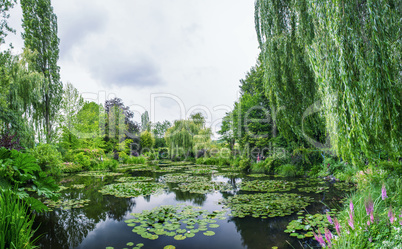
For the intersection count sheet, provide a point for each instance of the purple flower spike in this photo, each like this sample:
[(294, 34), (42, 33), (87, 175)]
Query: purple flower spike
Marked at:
[(383, 192), (329, 218), (351, 207), (369, 206), (391, 215), (351, 222), (328, 236), (372, 217), (337, 227)]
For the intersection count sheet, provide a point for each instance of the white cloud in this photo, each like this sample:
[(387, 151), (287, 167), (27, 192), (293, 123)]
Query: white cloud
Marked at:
[(195, 50)]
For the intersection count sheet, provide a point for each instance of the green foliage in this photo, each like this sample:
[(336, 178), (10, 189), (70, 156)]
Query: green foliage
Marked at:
[(83, 160), (217, 160), (49, 159), (40, 35), (15, 222), (147, 141), (136, 160), (109, 164), (288, 170), (68, 167), (245, 164), (20, 170), (391, 166)]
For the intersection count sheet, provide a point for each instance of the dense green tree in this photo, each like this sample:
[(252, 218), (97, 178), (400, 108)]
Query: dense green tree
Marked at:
[(159, 130), (90, 128), (356, 57), (147, 141), (283, 28), (40, 35), (145, 123)]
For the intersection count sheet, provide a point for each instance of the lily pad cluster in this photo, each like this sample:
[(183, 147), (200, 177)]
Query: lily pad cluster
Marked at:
[(267, 185), (201, 170), (314, 189), (132, 189), (182, 178), (66, 204), (257, 175), (179, 222), (304, 226), (344, 186), (137, 246), (265, 205), (99, 174), (135, 179), (204, 187), (228, 174), (77, 186)]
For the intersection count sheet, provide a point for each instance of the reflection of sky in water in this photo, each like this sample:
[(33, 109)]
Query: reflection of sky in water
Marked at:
[(101, 224), (117, 234)]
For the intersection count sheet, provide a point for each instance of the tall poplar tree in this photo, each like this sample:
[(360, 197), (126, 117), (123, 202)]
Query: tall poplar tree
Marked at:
[(40, 35)]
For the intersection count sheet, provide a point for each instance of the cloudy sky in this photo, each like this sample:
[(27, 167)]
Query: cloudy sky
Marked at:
[(169, 57)]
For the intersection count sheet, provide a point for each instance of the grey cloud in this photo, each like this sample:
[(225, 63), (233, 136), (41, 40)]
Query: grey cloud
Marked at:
[(116, 68), (81, 23)]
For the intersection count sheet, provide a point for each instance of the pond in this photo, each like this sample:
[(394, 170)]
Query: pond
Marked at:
[(185, 206)]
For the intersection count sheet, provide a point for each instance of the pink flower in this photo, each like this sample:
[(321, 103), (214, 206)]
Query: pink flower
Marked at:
[(337, 227), (329, 218), (320, 239), (372, 217), (368, 223), (370, 239), (351, 207), (383, 192), (369, 206), (328, 236), (391, 215), (351, 222)]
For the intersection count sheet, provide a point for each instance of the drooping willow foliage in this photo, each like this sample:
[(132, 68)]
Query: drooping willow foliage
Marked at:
[(283, 28), (354, 49), (186, 137)]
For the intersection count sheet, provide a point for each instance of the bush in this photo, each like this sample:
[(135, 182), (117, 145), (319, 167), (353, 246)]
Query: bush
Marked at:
[(18, 170), (83, 160), (123, 157), (110, 164), (68, 167), (136, 160), (15, 222), (48, 158), (245, 164), (287, 170), (391, 166)]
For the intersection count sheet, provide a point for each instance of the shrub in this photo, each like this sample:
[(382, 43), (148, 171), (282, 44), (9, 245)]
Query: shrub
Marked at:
[(15, 222), (68, 167), (110, 164), (48, 158), (245, 164), (83, 160), (136, 160), (259, 167), (391, 166), (287, 170), (123, 157)]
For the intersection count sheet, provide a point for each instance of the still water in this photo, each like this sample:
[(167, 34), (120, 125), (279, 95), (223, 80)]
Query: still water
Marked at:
[(101, 223)]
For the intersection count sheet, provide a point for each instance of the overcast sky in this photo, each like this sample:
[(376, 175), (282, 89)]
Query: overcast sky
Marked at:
[(169, 57)]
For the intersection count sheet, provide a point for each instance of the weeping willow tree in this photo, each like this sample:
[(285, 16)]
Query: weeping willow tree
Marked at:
[(283, 28), (187, 136), (356, 57)]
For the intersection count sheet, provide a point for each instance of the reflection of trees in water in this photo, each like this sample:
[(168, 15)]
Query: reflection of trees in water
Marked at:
[(67, 228), (263, 233)]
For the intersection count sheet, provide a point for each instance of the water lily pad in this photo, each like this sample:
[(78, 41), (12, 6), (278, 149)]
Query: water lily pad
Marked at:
[(135, 179), (132, 189), (179, 237), (209, 233), (169, 247), (267, 185)]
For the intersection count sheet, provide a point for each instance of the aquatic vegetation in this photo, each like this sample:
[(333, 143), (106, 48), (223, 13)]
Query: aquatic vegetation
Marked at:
[(135, 179), (265, 205), (77, 186), (132, 189), (257, 175), (137, 246), (99, 173), (267, 185), (306, 226), (204, 187), (181, 178), (171, 220), (344, 186), (201, 170), (314, 189), (66, 204)]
